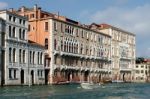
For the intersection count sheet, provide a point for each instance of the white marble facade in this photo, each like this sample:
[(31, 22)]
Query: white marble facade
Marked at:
[(24, 62)]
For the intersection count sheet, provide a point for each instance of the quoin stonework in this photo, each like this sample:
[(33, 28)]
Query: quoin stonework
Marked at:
[(47, 48), (22, 61)]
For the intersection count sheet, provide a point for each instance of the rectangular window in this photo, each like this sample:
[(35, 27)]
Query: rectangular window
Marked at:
[(77, 32), (142, 71), (10, 17), (24, 22), (20, 21), (10, 73), (14, 74), (55, 26), (142, 66), (62, 27), (82, 33), (38, 72), (46, 26), (29, 27), (14, 19), (32, 16)]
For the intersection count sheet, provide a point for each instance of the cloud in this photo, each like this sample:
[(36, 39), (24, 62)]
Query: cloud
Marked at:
[(121, 2), (3, 5), (135, 20)]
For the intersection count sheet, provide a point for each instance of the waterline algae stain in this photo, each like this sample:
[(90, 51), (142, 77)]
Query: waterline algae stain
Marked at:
[(109, 91)]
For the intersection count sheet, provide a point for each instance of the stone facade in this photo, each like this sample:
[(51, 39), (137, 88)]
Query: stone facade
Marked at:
[(74, 52), (23, 60), (78, 53), (2, 34), (141, 72), (123, 51)]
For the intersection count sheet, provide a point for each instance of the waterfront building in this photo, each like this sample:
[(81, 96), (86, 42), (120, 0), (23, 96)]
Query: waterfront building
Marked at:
[(122, 51), (23, 61), (141, 71), (2, 34), (74, 52)]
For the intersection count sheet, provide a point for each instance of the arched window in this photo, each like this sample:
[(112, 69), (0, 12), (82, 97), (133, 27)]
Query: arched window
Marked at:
[(9, 31), (23, 35), (24, 56), (33, 56), (10, 55), (69, 47), (41, 57), (19, 33), (38, 58), (14, 55), (81, 48), (86, 50), (72, 48), (65, 46), (14, 31), (46, 43), (55, 44), (30, 56), (61, 45), (77, 49), (20, 56)]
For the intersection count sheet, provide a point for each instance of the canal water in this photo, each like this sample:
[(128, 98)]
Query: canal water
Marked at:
[(73, 91)]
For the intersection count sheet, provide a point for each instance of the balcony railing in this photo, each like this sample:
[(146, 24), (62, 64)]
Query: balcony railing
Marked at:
[(13, 64), (93, 69)]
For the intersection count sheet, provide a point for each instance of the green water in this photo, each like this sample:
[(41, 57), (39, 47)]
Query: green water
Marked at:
[(72, 91)]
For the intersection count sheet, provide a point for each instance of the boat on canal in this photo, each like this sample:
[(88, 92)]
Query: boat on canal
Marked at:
[(87, 85)]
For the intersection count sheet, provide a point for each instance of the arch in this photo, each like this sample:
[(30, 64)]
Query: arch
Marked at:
[(33, 54), (46, 43), (38, 58), (72, 47), (41, 57), (20, 33), (14, 31), (32, 77), (22, 76), (30, 54), (61, 45), (55, 44), (10, 31), (23, 56), (10, 49), (14, 55), (23, 34), (20, 58), (65, 46)]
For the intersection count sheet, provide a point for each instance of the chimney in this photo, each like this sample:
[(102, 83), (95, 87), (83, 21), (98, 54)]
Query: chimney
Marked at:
[(22, 8), (11, 9), (35, 7)]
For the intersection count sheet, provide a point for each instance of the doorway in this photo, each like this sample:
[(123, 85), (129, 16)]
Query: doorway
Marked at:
[(32, 77), (22, 76), (46, 76)]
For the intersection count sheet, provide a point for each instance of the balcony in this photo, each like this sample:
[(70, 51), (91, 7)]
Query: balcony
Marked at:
[(13, 64), (23, 64), (125, 68), (12, 38)]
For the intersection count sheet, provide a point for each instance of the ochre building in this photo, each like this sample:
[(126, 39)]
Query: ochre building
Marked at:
[(75, 53)]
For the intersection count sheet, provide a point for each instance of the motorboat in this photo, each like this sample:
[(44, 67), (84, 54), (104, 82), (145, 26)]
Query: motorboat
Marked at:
[(117, 81), (87, 85)]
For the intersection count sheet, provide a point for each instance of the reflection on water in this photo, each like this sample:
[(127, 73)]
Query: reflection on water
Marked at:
[(72, 91)]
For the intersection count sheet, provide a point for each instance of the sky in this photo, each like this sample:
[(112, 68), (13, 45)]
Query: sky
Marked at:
[(130, 15)]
